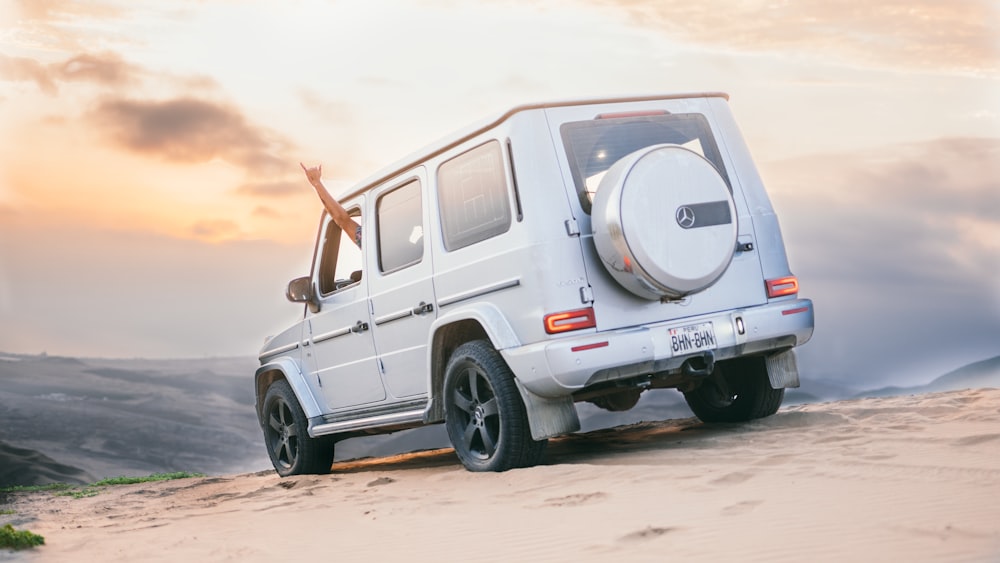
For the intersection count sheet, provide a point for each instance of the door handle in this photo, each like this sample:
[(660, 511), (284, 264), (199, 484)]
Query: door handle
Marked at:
[(359, 328), (423, 308)]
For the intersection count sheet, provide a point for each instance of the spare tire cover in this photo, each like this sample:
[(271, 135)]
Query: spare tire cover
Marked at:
[(664, 222)]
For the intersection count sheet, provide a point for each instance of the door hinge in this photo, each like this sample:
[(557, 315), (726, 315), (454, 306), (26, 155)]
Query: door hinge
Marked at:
[(572, 228), (586, 294)]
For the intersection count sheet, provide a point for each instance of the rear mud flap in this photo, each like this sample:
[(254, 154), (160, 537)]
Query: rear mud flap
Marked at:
[(549, 417), (783, 370)]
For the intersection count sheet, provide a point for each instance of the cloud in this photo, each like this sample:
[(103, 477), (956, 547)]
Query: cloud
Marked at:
[(909, 34), (63, 25), (21, 69), (332, 111), (924, 215), (54, 9), (899, 249), (105, 69), (215, 229), (191, 130), (265, 212), (175, 279), (273, 189)]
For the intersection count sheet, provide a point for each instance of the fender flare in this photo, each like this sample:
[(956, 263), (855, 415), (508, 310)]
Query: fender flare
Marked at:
[(493, 323), (488, 316), (290, 370)]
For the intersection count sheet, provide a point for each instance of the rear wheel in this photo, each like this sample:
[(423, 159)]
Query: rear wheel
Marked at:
[(737, 391), (286, 435), (484, 415)]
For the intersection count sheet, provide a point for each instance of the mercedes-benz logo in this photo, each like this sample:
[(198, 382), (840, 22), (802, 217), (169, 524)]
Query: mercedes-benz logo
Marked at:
[(685, 217)]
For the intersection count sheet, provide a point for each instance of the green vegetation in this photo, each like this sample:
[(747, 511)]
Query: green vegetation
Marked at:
[(18, 539), (146, 479), (7, 512), (35, 488), (63, 489), (78, 493)]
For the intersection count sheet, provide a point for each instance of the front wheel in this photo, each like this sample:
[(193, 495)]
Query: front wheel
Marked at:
[(737, 391), (484, 415), (286, 435)]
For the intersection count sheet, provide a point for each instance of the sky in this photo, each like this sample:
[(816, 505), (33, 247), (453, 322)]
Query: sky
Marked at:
[(152, 205)]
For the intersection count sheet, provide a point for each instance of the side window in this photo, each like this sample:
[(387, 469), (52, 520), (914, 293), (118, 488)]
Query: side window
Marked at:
[(340, 264), (472, 194), (400, 227)]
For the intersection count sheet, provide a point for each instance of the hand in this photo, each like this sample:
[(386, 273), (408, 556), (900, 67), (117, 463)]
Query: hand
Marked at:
[(313, 174)]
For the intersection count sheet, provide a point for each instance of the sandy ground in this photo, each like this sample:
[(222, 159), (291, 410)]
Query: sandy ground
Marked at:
[(913, 478)]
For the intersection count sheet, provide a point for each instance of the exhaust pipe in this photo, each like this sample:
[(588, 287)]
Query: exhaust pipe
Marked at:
[(701, 365)]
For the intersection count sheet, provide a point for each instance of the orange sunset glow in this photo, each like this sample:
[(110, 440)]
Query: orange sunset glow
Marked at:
[(152, 204)]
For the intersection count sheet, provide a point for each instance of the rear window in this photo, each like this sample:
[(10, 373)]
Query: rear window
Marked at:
[(593, 146)]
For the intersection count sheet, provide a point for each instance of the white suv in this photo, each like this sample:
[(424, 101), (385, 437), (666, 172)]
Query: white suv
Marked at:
[(559, 252)]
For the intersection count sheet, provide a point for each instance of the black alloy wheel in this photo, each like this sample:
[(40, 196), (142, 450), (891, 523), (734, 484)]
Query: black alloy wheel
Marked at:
[(286, 435), (485, 417)]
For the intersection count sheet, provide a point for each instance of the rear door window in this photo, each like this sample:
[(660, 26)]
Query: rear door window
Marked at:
[(400, 228)]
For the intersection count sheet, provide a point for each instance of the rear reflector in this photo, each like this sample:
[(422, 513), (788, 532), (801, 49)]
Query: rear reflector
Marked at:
[(795, 311), (589, 346), (631, 114), (782, 286), (570, 320)]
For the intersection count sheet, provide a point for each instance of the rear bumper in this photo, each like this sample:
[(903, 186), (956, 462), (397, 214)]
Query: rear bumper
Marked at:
[(560, 367)]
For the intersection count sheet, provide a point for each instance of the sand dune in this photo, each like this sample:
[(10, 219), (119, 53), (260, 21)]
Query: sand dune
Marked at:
[(912, 478)]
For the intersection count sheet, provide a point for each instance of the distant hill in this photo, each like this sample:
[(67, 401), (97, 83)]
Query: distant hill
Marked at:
[(979, 374), (985, 373), (21, 466), (108, 418)]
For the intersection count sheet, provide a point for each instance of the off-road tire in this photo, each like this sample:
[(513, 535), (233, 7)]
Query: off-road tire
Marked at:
[(484, 414), (737, 391), (286, 435)]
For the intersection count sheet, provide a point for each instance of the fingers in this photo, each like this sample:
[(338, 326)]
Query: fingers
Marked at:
[(318, 169)]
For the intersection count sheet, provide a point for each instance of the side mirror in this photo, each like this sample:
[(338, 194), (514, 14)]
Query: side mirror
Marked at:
[(300, 290)]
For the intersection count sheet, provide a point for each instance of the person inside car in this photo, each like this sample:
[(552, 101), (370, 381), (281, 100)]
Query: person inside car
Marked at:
[(337, 212)]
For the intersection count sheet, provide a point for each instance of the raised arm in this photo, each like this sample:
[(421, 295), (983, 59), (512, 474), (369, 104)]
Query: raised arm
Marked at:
[(340, 216)]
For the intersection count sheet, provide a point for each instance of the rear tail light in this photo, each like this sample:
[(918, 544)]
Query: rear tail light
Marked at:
[(570, 320), (782, 286)]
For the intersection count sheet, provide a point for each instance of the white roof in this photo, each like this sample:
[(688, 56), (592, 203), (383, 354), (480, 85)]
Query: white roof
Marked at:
[(466, 133)]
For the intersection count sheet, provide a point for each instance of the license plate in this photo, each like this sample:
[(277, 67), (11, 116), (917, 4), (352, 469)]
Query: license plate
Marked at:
[(692, 338)]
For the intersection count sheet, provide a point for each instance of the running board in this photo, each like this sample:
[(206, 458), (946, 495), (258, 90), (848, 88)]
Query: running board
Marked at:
[(390, 419)]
